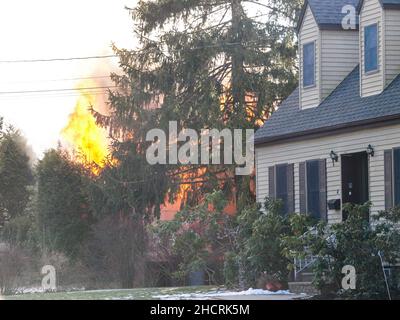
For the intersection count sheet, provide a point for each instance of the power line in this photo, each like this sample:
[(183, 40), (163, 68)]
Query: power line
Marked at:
[(54, 90), (58, 59), (116, 56), (57, 80), (51, 95)]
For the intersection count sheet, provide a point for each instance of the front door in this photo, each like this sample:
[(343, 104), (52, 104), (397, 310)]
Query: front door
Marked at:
[(354, 179)]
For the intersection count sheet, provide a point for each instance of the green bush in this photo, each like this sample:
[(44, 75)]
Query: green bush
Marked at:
[(231, 269), (197, 238), (261, 250), (20, 231), (355, 242)]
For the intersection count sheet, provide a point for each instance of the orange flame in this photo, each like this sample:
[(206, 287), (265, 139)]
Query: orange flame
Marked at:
[(83, 134)]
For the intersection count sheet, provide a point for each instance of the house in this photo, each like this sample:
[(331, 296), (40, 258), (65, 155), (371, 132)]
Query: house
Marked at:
[(336, 138)]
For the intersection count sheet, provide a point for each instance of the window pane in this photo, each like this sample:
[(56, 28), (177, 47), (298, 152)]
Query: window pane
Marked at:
[(313, 188), (308, 64), (371, 48), (396, 180), (281, 186)]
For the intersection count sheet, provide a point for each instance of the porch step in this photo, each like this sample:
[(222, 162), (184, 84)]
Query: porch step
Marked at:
[(306, 277), (303, 287)]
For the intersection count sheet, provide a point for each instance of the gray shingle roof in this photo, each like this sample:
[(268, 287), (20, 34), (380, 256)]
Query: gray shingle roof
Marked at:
[(387, 4), (343, 108), (328, 13), (390, 2)]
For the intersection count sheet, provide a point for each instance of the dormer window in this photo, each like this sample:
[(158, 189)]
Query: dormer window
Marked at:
[(371, 48), (309, 64)]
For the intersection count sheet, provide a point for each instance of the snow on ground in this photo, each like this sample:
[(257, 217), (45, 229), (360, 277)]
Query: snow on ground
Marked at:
[(177, 293), (216, 294), (31, 290)]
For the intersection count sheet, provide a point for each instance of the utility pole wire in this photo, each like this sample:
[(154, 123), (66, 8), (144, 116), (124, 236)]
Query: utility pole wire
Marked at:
[(59, 59), (55, 90), (56, 80)]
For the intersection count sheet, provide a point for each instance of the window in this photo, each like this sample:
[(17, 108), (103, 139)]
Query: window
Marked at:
[(309, 64), (371, 48), (396, 176), (313, 190), (281, 186)]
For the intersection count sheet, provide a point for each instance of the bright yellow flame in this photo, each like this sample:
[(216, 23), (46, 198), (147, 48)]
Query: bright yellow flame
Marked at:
[(84, 135)]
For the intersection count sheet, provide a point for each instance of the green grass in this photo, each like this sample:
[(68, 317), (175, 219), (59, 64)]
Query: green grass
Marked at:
[(129, 294)]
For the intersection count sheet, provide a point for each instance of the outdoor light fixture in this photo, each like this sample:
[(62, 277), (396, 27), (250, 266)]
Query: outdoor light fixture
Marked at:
[(370, 150), (334, 157)]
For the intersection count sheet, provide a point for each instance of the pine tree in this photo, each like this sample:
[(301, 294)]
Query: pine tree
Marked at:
[(15, 175), (206, 64), (64, 216)]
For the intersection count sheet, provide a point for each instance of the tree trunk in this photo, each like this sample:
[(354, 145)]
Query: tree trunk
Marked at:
[(238, 78), (237, 82), (242, 274)]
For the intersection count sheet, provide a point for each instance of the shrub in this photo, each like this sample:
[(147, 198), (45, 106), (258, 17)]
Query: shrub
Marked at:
[(20, 231), (115, 251), (355, 242), (198, 238), (261, 250), (231, 269), (13, 263)]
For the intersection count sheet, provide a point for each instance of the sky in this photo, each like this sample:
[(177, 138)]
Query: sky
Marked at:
[(57, 29), (49, 29)]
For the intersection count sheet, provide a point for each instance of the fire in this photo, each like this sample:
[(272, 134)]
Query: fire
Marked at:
[(85, 137)]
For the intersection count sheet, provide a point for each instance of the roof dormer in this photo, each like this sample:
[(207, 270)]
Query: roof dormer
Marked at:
[(327, 51), (380, 45)]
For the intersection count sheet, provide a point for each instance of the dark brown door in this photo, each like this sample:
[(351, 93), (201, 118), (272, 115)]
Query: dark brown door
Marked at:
[(354, 179)]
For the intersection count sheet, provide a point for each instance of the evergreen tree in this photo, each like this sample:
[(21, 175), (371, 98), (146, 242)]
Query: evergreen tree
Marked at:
[(63, 212), (205, 64), (15, 175)]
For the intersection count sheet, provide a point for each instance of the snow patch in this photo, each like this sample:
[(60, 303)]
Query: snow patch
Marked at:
[(213, 294), (32, 290)]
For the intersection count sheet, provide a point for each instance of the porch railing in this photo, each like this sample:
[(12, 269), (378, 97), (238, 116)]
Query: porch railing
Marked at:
[(302, 264)]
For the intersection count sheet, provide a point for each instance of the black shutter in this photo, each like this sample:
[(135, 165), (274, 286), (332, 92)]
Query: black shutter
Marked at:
[(313, 189), (302, 184), (290, 187), (271, 179), (388, 158), (322, 190), (281, 180), (396, 177)]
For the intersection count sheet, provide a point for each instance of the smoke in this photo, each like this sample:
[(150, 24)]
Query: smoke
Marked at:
[(101, 103), (23, 143)]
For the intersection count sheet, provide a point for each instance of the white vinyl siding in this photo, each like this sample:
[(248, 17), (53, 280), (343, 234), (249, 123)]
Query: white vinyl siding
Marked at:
[(309, 32), (372, 83), (392, 45), (319, 148), (339, 56)]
